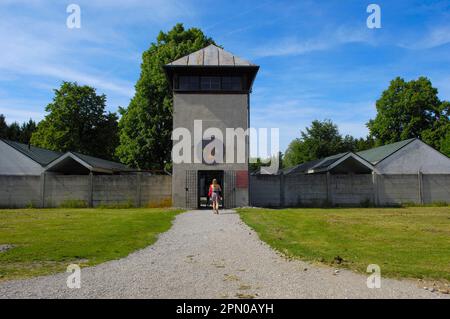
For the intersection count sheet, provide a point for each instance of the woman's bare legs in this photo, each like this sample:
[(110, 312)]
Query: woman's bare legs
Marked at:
[(215, 206)]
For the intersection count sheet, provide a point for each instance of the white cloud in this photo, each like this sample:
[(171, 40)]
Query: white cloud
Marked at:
[(326, 40), (103, 83), (49, 50), (293, 115), (18, 111), (354, 129), (434, 37), (39, 51)]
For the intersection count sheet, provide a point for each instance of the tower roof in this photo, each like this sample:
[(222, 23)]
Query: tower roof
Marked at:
[(212, 56)]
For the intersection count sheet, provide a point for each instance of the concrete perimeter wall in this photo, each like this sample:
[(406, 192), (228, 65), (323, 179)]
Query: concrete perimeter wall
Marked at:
[(94, 190), (325, 189), (266, 190)]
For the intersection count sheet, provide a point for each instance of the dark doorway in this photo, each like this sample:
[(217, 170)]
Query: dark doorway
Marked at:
[(204, 180)]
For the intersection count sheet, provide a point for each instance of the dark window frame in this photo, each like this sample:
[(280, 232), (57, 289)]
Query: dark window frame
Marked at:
[(193, 83), (209, 82)]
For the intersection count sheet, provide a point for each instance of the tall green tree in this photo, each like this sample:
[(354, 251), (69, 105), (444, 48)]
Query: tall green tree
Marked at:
[(410, 109), (77, 121), (13, 132), (445, 145), (3, 127), (26, 130), (320, 140), (146, 125)]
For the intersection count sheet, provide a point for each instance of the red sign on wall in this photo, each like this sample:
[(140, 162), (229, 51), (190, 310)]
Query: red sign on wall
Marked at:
[(241, 179)]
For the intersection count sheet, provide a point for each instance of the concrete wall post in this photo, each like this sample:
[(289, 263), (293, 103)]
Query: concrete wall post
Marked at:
[(138, 189), (282, 185), (91, 189), (42, 189), (376, 198), (329, 190), (420, 183)]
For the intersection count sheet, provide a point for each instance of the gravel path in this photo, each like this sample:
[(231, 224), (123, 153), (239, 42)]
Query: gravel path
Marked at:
[(210, 256)]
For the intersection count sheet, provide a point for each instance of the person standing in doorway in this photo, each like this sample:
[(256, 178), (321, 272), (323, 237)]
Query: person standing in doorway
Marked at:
[(215, 193)]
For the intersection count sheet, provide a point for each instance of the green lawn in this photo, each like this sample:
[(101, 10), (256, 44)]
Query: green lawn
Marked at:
[(405, 242), (47, 240)]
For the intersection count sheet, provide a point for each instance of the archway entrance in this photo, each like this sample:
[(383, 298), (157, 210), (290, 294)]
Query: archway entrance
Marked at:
[(204, 180)]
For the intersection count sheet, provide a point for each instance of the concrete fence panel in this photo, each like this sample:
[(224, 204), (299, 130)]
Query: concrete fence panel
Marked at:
[(305, 190), (156, 190), (115, 190), (20, 191), (352, 189), (436, 188), (398, 189), (60, 189), (265, 190)]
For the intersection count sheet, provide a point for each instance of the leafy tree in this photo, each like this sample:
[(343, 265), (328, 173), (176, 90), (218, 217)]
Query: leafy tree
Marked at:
[(3, 127), (26, 130), (13, 132), (438, 135), (146, 125), (77, 121), (320, 140), (445, 145), (349, 143), (363, 144), (410, 109), (16, 132), (256, 163)]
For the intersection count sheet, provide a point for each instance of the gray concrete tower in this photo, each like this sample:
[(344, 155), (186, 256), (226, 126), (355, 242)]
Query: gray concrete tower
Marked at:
[(211, 85)]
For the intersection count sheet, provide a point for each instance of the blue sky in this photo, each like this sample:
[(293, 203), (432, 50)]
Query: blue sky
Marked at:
[(318, 58)]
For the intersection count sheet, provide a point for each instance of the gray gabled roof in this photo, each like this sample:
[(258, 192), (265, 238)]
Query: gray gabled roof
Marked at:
[(94, 164), (370, 157), (327, 161), (48, 158), (330, 162), (41, 156), (211, 55), (300, 168), (377, 154), (98, 163)]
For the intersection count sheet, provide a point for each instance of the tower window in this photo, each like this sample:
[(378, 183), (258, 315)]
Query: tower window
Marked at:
[(210, 83), (231, 83), (188, 83)]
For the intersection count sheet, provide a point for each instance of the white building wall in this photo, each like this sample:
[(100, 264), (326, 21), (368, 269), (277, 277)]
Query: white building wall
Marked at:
[(12, 162), (414, 157)]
